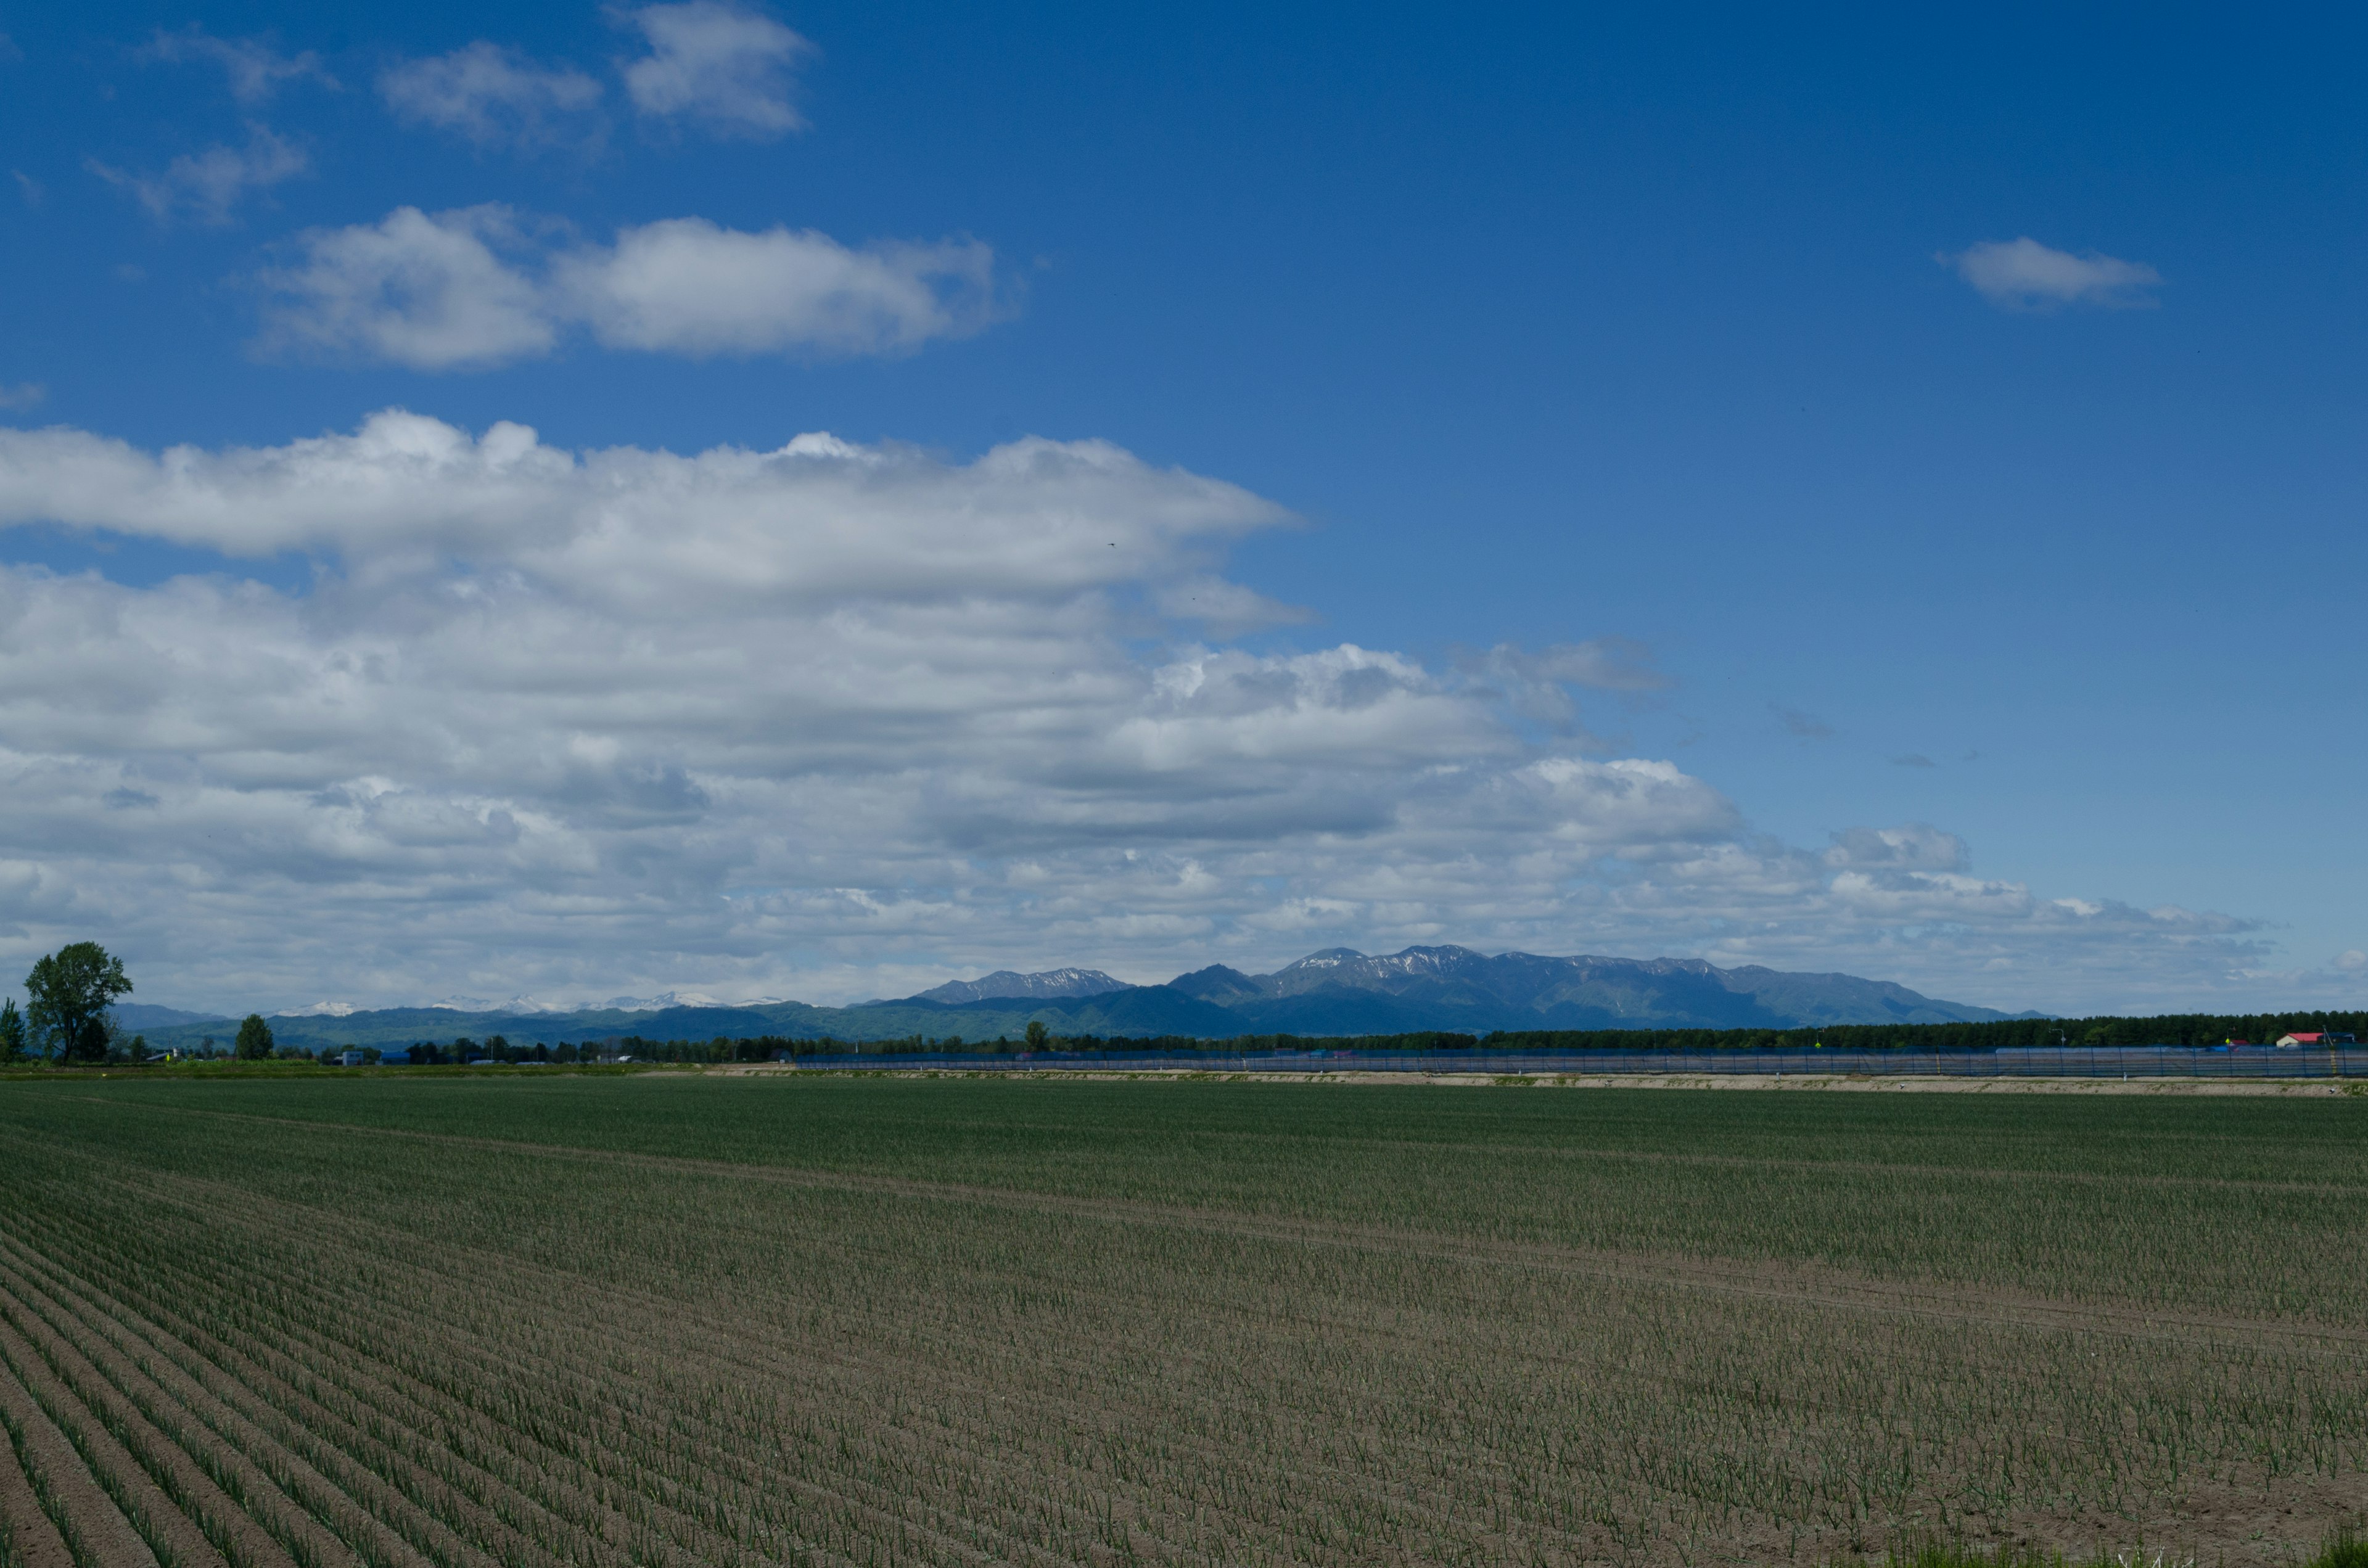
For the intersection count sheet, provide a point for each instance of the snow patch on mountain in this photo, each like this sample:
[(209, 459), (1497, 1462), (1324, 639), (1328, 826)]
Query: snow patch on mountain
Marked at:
[(1043, 986)]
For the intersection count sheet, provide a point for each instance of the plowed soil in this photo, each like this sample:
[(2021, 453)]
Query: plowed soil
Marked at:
[(785, 1319)]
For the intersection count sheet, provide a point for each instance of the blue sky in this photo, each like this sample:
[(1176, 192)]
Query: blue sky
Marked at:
[(1622, 392)]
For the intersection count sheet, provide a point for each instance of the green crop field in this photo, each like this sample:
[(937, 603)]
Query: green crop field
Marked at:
[(696, 1319)]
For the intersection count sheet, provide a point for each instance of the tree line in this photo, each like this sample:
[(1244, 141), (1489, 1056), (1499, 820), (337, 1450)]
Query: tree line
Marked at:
[(71, 995)]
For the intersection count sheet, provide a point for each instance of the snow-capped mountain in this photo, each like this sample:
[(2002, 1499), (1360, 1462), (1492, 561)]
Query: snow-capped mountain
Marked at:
[(684, 999), (1042, 985)]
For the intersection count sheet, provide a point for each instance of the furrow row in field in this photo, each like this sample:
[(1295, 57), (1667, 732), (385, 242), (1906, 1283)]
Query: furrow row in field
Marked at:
[(300, 1330), (158, 1383), (94, 1528), (461, 1350), (420, 1506), (251, 1377), (120, 1453), (1949, 1296)]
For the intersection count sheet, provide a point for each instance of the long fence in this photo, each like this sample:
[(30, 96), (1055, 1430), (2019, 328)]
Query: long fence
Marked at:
[(2045, 1062)]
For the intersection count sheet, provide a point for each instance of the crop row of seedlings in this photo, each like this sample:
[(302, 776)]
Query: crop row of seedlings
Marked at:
[(436, 1353)]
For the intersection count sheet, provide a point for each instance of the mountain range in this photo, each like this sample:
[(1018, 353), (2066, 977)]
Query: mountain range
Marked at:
[(1336, 992)]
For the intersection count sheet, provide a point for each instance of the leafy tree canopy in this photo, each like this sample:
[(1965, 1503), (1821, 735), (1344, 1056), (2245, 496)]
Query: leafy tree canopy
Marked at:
[(67, 997), (254, 1039)]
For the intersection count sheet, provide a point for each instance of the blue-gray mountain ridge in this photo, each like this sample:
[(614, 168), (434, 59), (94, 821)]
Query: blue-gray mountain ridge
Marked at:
[(1336, 992)]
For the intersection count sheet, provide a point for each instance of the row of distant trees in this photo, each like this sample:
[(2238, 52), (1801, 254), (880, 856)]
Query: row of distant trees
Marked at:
[(71, 995), (69, 1012)]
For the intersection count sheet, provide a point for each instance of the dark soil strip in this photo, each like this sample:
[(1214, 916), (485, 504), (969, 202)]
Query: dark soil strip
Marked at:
[(171, 1533), (95, 1529), (216, 1531), (32, 1539)]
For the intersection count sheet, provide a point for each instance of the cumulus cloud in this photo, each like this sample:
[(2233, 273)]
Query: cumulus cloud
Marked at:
[(722, 67), (491, 95), (206, 186), (433, 293), (2024, 275), (829, 721), (254, 69), (482, 287), (686, 286)]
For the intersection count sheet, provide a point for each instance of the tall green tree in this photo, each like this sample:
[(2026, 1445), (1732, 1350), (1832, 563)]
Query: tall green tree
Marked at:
[(12, 1031), (254, 1039), (67, 996)]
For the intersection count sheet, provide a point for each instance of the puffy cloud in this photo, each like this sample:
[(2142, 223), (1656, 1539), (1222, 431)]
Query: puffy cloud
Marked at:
[(686, 286), (492, 95), (254, 69), (2024, 275), (721, 66), (207, 186), (830, 721), (481, 287), (428, 292)]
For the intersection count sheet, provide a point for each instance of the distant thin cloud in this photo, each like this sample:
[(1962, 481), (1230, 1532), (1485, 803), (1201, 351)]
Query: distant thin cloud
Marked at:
[(1912, 759), (255, 70), (24, 394), (493, 96), (29, 187), (724, 67), (1808, 726), (2024, 275), (207, 186)]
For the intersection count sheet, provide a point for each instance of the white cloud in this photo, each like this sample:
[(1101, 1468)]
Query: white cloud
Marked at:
[(480, 287), (208, 185), (2024, 275), (686, 286), (829, 721), (428, 292), (493, 96), (721, 66), (254, 69)]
